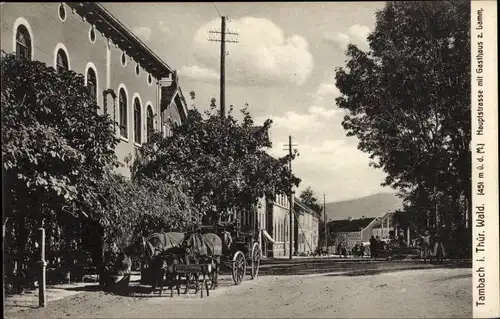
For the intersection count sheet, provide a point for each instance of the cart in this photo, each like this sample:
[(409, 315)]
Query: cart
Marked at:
[(241, 250)]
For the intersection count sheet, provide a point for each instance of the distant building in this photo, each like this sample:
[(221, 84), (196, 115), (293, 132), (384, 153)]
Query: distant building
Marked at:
[(384, 226), (277, 216), (128, 80), (273, 219), (306, 229), (353, 231)]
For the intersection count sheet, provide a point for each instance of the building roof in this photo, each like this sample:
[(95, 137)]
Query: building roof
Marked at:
[(301, 207), (168, 94), (348, 225), (120, 35)]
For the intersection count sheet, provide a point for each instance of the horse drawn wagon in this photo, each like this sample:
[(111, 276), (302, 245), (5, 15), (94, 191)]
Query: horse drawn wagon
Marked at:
[(240, 250), (187, 257)]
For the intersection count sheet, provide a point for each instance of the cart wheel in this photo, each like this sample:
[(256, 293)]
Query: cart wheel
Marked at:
[(256, 257), (239, 267)]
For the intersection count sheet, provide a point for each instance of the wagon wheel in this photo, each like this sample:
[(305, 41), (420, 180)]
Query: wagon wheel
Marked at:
[(256, 257), (239, 267)]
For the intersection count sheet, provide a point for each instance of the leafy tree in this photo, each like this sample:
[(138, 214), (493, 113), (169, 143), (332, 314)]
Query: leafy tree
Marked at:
[(222, 163), (309, 199), (408, 102), (141, 207), (55, 145)]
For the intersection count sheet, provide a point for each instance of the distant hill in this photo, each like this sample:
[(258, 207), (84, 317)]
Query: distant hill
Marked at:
[(369, 206)]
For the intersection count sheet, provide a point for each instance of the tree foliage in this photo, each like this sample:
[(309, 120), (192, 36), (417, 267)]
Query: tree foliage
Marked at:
[(54, 143), (220, 163), (308, 197), (58, 158), (408, 100), (55, 146), (131, 208)]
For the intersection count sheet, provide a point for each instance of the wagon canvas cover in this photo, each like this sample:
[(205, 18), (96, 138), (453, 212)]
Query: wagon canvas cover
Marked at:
[(214, 242), (164, 241), (207, 244)]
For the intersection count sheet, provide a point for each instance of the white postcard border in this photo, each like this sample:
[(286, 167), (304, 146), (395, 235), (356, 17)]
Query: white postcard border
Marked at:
[(484, 147)]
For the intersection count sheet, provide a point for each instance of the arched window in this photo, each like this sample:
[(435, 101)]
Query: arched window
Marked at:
[(170, 126), (279, 231), (149, 122), (164, 130), (137, 121), (122, 101), (92, 83), (62, 61), (23, 43), (283, 230)]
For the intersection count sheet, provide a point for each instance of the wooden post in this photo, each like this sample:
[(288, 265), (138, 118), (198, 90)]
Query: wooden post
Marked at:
[(5, 219), (408, 235), (291, 196), (223, 68), (42, 300), (326, 224)]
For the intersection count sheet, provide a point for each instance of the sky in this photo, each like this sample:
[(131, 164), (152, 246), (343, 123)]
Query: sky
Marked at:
[(283, 66)]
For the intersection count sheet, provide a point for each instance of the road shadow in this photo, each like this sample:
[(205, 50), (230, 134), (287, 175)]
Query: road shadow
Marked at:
[(20, 305), (371, 272), (136, 290), (464, 276), (360, 268), (84, 288)]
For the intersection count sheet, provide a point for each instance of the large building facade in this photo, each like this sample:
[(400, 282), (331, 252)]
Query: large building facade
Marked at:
[(274, 220), (306, 229), (129, 82)]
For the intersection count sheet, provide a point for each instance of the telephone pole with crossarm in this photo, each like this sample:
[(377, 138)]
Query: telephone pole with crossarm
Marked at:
[(223, 32)]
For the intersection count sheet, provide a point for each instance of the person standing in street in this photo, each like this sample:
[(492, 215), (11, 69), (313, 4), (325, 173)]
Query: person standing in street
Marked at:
[(373, 247), (426, 242), (438, 249)]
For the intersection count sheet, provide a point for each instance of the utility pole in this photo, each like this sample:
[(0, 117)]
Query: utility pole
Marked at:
[(223, 53), (324, 218), (291, 199)]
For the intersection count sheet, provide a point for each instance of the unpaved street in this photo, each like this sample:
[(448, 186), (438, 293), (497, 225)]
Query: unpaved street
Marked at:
[(436, 293)]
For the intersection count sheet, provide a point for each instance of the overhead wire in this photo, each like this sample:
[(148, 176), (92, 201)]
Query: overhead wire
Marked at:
[(215, 6)]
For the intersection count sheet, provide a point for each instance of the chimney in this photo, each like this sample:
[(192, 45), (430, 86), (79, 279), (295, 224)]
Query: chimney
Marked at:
[(167, 82), (175, 77)]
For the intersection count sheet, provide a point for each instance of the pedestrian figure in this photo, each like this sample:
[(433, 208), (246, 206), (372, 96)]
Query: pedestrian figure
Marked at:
[(339, 249), (373, 247), (438, 250), (378, 246), (426, 242), (356, 250)]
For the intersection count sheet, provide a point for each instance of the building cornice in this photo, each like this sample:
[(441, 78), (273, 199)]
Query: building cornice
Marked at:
[(106, 23)]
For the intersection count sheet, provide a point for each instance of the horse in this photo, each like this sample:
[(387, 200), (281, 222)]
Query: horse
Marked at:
[(162, 250), (206, 248)]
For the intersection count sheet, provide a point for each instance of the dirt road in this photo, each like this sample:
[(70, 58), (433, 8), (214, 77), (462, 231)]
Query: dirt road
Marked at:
[(436, 293)]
